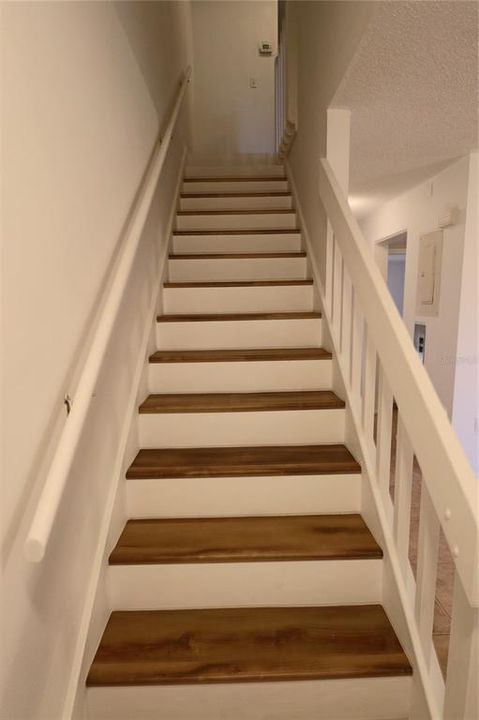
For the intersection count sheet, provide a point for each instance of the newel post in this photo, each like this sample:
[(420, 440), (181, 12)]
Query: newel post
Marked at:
[(462, 681)]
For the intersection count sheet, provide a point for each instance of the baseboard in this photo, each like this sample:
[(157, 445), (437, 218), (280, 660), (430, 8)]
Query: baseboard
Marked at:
[(71, 704)]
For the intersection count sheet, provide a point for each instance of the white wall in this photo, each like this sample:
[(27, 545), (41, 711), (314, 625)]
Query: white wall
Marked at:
[(85, 87), (328, 33), (160, 35), (230, 118), (417, 211)]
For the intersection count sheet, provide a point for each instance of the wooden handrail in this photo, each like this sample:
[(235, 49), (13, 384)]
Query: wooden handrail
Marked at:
[(446, 471), (56, 480)]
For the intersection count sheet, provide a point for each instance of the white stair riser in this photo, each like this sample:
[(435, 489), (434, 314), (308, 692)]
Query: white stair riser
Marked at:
[(261, 298), (228, 429), (247, 376), (385, 698), (231, 186), (251, 202), (234, 171), (216, 270), (204, 335), (271, 242), (243, 496), (244, 584), (240, 221)]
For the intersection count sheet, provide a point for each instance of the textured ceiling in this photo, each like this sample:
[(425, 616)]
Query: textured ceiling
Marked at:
[(412, 89)]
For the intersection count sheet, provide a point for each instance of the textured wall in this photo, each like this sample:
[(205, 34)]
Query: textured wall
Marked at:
[(413, 90)]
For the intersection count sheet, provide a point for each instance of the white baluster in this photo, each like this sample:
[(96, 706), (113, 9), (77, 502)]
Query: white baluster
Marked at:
[(384, 434), (369, 393), (402, 496), (283, 86), (357, 352), (280, 101), (346, 328), (276, 74), (328, 292), (337, 290), (283, 81), (281, 98), (428, 549)]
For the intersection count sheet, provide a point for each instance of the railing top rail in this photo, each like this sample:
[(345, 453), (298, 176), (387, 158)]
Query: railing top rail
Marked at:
[(52, 491), (446, 471)]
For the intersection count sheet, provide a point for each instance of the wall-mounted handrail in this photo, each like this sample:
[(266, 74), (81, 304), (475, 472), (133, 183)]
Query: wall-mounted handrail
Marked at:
[(57, 476), (447, 473)]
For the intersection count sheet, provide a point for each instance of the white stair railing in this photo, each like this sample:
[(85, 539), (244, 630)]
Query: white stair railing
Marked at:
[(379, 365), (57, 477)]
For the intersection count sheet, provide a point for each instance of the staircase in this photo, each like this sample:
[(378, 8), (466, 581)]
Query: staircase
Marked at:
[(246, 585)]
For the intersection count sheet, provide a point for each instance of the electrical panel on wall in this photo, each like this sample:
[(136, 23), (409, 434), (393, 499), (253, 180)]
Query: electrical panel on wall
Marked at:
[(429, 273)]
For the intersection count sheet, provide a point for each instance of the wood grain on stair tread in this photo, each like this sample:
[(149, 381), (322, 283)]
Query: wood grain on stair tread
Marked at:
[(272, 193), (242, 178), (257, 461), (245, 539), (241, 402), (262, 231), (238, 283), (222, 317), (240, 211), (236, 256), (241, 355), (247, 645)]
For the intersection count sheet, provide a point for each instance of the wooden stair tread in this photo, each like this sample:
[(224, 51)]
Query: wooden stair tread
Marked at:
[(241, 402), (238, 283), (236, 256), (247, 644), (222, 317), (262, 231), (241, 178), (240, 355), (272, 193), (245, 539), (240, 211), (256, 461)]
